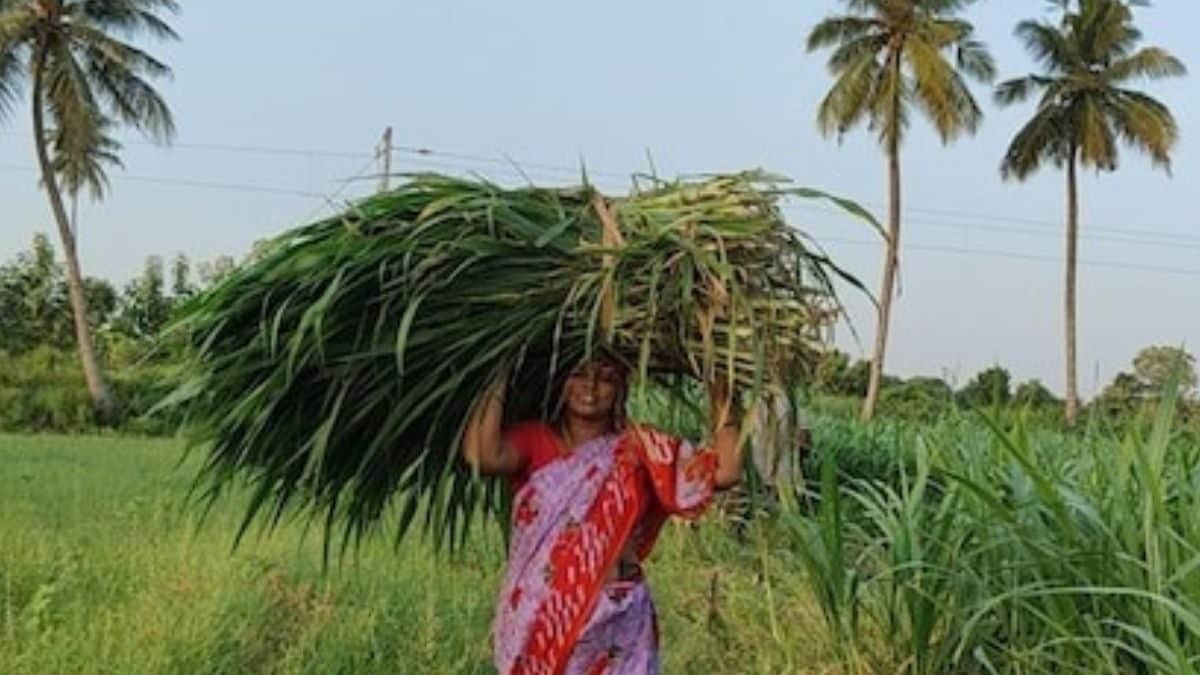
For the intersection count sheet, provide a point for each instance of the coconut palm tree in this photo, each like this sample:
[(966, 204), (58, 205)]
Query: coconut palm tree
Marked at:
[(84, 78), (889, 56), (1086, 108)]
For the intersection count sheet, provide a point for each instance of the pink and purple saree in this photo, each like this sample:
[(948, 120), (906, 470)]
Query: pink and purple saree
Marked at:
[(574, 515)]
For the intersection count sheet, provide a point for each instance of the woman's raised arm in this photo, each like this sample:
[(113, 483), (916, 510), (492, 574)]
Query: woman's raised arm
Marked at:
[(726, 435), (483, 446)]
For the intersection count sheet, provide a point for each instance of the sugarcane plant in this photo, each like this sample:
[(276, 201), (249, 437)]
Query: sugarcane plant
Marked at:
[(335, 374)]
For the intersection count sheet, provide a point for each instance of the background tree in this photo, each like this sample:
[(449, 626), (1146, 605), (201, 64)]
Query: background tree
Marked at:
[(990, 387), (34, 305), (1086, 108), (145, 305), (214, 271), (1155, 367), (32, 300), (182, 286), (1034, 394), (922, 399), (85, 78), (890, 56), (1122, 398)]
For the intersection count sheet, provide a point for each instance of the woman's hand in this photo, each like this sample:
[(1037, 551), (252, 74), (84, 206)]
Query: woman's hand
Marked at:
[(726, 432), (483, 445)]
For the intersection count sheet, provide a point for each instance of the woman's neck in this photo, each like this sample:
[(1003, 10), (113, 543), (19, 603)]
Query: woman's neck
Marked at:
[(577, 431)]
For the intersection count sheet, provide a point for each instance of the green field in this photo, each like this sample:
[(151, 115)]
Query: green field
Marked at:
[(102, 572), (954, 547)]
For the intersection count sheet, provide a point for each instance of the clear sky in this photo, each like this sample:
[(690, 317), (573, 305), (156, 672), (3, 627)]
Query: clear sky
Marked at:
[(700, 86)]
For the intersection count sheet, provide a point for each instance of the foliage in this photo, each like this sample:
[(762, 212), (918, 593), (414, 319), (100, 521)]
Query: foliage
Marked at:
[(1007, 551), (175, 601), (146, 307), (990, 388), (1156, 368), (85, 78), (42, 390), (923, 399), (40, 386), (835, 374), (92, 77), (1122, 398), (1132, 396), (888, 58), (1035, 395), (338, 370), (215, 271), (1089, 59), (914, 53), (34, 309)]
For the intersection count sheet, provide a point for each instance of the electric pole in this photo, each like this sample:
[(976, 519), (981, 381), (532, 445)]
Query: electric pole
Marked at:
[(384, 153)]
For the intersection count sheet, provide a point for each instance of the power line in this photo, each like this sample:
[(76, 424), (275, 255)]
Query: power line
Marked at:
[(967, 227), (183, 182), (1016, 256), (329, 200), (1036, 222), (365, 173), (231, 148), (520, 168), (425, 158), (576, 172)]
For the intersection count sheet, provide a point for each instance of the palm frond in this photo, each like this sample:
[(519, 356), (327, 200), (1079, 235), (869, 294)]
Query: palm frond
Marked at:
[(1096, 139), (129, 17), (840, 29), (1151, 62), (889, 114), (128, 96), (1049, 46), (15, 26), (68, 97), (940, 91), (849, 54), (942, 7), (1082, 107), (82, 157), (1103, 31), (926, 34), (1046, 137), (118, 55), (91, 78), (974, 59), (851, 99), (11, 85), (1144, 123), (1019, 89)]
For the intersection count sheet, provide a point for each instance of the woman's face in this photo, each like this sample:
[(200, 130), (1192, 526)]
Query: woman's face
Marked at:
[(592, 390)]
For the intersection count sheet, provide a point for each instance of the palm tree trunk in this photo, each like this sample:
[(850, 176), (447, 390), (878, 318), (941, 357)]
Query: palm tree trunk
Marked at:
[(891, 259), (102, 399), (1072, 402)]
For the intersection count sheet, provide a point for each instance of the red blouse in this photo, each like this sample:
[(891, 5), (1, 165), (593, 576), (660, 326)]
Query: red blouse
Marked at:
[(538, 445)]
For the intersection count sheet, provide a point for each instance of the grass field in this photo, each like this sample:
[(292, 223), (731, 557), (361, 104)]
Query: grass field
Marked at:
[(957, 547), (101, 571)]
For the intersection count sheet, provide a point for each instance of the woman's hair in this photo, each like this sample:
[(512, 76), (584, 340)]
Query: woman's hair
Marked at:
[(618, 413)]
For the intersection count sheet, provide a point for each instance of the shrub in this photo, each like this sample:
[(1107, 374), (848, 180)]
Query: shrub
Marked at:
[(923, 399)]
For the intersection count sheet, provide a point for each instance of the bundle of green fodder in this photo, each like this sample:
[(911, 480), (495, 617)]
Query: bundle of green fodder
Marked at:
[(335, 373)]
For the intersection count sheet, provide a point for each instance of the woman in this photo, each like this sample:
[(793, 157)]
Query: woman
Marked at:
[(591, 494)]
